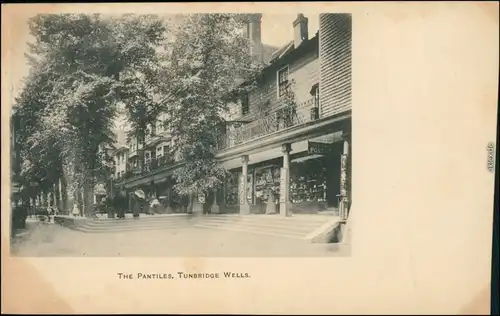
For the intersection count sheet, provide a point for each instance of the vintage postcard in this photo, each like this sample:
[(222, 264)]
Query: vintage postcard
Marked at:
[(180, 159)]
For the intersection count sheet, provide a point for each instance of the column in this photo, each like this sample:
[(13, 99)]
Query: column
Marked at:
[(344, 178), (168, 208), (243, 186), (285, 207), (215, 205)]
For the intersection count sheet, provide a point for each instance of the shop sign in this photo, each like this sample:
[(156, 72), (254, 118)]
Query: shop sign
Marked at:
[(242, 190), (283, 185), (201, 198), (315, 148)]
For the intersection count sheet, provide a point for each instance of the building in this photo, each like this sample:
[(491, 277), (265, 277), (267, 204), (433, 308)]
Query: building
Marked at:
[(286, 144)]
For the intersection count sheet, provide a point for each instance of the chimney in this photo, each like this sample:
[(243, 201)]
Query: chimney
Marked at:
[(300, 30), (252, 30)]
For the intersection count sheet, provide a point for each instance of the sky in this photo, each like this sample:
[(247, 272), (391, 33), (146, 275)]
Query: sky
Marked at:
[(276, 30)]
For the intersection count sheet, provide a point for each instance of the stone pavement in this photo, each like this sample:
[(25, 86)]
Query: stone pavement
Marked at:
[(48, 240)]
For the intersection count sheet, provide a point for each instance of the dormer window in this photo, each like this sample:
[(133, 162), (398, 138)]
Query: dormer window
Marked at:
[(282, 81)]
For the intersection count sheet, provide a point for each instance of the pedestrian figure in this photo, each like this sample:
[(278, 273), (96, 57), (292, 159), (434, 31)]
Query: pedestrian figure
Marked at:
[(75, 211), (140, 202), (120, 203), (154, 206)]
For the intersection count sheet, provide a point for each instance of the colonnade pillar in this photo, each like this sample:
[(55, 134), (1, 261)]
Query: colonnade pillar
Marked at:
[(243, 187), (285, 207), (344, 176)]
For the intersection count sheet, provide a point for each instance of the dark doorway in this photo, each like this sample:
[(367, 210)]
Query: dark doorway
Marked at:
[(333, 175)]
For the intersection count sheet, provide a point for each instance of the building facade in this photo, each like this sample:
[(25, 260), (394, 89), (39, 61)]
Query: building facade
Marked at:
[(286, 143)]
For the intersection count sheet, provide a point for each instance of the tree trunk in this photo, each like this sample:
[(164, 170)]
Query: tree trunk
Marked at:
[(88, 197), (78, 198), (190, 202), (64, 193), (57, 201)]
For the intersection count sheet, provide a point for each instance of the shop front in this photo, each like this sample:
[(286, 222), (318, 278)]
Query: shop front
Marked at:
[(314, 181), (262, 188), (170, 201)]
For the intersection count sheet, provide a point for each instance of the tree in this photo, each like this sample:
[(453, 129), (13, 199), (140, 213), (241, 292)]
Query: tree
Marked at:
[(208, 58), (70, 99)]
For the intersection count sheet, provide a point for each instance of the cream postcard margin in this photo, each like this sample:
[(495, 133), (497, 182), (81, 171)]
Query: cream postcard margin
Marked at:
[(425, 78)]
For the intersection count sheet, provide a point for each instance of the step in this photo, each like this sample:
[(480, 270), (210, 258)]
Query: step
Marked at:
[(253, 231), (277, 217), (304, 225), (84, 229), (119, 223), (142, 218), (271, 226), (285, 230), (271, 219), (266, 223), (136, 227)]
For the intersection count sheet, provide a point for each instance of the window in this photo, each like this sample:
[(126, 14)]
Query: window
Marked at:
[(160, 123), (282, 79), (245, 105), (165, 150), (315, 93), (316, 97), (159, 126)]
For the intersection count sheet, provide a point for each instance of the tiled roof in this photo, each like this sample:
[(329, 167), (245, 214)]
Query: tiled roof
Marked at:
[(267, 52), (281, 50)]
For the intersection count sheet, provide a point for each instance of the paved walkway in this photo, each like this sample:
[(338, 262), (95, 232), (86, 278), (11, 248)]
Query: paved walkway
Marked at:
[(48, 240)]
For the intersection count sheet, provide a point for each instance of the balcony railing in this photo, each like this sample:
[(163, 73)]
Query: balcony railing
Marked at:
[(278, 119), (149, 166)]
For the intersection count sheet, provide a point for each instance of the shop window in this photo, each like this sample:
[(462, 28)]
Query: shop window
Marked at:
[(308, 181), (282, 81), (250, 187), (267, 183), (232, 189)]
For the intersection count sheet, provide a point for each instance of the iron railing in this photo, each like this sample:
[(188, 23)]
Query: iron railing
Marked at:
[(149, 166), (277, 119)]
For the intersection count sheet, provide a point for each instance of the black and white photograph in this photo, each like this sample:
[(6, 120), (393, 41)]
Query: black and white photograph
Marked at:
[(183, 135), (260, 158)]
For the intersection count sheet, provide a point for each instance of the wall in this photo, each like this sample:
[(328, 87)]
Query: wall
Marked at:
[(305, 72), (120, 166), (335, 50)]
